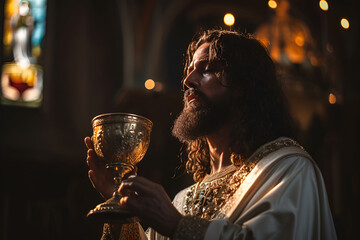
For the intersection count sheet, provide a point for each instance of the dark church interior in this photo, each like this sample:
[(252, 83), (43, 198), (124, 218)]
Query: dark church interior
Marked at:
[(96, 57)]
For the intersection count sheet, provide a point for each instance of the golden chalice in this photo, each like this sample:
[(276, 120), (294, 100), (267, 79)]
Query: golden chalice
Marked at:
[(121, 141)]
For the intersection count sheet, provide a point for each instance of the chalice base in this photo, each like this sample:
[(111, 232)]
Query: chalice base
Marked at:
[(111, 211)]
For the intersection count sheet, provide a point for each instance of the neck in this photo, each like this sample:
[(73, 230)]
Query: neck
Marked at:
[(219, 146)]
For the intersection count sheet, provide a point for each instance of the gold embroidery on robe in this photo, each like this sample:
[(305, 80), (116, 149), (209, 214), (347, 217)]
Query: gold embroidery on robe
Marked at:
[(206, 198)]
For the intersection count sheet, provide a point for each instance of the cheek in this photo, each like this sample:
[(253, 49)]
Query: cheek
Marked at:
[(213, 88), (217, 88), (213, 83), (218, 95)]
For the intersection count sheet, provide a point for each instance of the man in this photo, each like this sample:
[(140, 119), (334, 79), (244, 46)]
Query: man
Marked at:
[(251, 182)]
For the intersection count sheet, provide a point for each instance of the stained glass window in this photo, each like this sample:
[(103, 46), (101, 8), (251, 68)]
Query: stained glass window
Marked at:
[(21, 71)]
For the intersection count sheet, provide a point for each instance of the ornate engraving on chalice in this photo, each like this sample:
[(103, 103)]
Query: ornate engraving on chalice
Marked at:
[(121, 141)]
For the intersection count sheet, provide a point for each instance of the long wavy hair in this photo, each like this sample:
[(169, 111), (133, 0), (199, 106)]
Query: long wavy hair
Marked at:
[(260, 112)]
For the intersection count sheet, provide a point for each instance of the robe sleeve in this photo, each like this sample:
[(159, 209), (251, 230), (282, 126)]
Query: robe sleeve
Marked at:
[(191, 227)]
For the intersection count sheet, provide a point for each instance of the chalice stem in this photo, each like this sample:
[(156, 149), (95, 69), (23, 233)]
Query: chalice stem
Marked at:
[(117, 180), (118, 172)]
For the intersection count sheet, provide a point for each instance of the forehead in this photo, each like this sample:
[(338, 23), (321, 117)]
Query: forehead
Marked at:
[(202, 52)]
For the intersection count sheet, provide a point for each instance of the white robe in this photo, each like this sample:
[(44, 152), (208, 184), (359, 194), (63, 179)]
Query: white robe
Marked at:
[(283, 197)]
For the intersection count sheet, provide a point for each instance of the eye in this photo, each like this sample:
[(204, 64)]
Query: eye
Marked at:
[(207, 69), (206, 72)]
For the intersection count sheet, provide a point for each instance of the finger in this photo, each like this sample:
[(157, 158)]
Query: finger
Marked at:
[(139, 180), (143, 208), (92, 153), (89, 144), (98, 184), (128, 193), (92, 178), (140, 185), (98, 180), (133, 204), (123, 201), (92, 160)]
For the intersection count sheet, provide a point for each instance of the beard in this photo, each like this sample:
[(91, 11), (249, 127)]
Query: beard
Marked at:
[(201, 118)]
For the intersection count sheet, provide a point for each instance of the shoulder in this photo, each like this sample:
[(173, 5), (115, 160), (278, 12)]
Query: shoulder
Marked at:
[(295, 165), (289, 162), (282, 159), (282, 151)]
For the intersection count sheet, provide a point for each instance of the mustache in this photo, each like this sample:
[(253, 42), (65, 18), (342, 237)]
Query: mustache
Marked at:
[(192, 91)]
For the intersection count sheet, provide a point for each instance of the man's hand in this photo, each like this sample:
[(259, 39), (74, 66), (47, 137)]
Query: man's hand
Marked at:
[(146, 199), (100, 177), (150, 202)]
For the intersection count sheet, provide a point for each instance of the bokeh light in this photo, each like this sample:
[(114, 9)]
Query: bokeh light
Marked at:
[(299, 40), (149, 84), (158, 87), (324, 5), (229, 19), (272, 3), (345, 23), (329, 48), (332, 98)]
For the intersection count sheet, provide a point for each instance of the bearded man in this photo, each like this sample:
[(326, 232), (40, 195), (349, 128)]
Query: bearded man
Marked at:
[(252, 182)]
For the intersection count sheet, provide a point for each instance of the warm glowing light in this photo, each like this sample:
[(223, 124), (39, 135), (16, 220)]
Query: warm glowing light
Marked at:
[(332, 98), (229, 19), (149, 84), (299, 40), (324, 5), (8, 37), (158, 87), (36, 51), (314, 61), (329, 48), (11, 8), (345, 23), (272, 3)]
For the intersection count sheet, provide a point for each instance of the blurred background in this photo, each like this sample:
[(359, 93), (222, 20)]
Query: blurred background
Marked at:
[(64, 62)]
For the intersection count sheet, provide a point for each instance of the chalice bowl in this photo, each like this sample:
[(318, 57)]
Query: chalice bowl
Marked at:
[(120, 141)]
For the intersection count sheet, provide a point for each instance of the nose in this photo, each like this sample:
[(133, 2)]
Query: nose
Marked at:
[(191, 80)]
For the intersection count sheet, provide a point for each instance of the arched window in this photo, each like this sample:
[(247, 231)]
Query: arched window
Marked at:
[(22, 71)]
